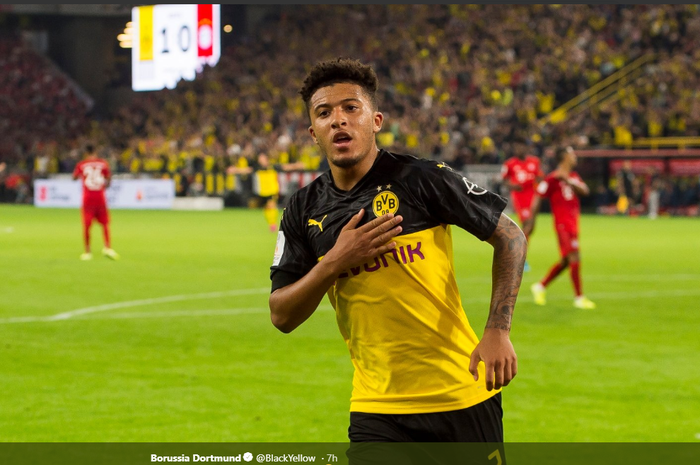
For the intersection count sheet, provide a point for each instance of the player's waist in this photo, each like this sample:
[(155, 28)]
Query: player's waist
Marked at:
[(424, 360), (565, 216), (94, 198), (431, 392)]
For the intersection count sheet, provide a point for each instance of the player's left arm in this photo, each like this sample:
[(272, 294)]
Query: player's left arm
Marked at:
[(506, 178), (296, 166), (456, 200), (577, 184), (108, 178), (542, 189), (239, 170), (539, 174), (495, 348), (529, 224)]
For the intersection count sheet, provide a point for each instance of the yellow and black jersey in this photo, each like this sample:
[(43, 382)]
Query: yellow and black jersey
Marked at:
[(401, 314)]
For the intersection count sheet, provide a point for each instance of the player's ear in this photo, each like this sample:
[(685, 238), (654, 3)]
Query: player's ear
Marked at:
[(313, 134), (378, 120)]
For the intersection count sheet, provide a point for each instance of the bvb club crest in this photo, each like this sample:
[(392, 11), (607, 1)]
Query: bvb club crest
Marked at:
[(385, 202)]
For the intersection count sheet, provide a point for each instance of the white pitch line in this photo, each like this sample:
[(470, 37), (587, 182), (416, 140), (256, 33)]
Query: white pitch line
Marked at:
[(644, 277), (219, 312), (156, 300), (176, 313), (605, 278), (209, 312), (212, 295), (640, 294), (24, 319), (251, 310), (602, 295)]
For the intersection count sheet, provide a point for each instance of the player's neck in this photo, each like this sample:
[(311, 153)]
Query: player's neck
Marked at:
[(346, 178), (565, 169)]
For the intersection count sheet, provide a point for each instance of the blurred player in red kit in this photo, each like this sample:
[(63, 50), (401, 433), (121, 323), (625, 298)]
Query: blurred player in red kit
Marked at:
[(95, 175), (521, 173), (562, 187)]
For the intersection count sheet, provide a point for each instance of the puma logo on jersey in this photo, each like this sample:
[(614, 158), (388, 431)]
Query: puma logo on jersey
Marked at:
[(313, 222)]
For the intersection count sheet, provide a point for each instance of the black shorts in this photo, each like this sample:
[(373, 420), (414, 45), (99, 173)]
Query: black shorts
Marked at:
[(482, 422), (474, 434)]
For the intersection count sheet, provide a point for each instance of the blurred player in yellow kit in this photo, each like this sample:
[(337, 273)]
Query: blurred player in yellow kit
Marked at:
[(266, 186)]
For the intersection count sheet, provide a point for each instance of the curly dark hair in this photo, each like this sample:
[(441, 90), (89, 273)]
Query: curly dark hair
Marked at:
[(327, 73)]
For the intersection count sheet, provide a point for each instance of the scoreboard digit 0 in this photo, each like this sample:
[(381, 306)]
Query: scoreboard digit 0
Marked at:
[(173, 42)]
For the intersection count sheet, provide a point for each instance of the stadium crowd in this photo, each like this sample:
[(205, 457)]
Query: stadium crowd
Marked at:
[(457, 83), (38, 103)]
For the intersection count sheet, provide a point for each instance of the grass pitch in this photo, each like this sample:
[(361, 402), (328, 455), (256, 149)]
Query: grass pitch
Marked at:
[(173, 343)]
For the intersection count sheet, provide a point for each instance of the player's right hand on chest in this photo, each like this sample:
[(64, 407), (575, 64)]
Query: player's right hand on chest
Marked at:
[(357, 245)]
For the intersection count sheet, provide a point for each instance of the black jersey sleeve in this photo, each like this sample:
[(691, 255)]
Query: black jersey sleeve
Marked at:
[(293, 255), (452, 199)]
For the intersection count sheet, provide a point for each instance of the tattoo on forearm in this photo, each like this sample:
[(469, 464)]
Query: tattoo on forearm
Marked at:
[(509, 257), (500, 318)]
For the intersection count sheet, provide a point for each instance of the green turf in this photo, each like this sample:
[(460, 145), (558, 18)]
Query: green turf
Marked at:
[(187, 357)]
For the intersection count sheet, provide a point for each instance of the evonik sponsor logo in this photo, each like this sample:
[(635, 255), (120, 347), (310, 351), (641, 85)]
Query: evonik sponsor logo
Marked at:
[(403, 254)]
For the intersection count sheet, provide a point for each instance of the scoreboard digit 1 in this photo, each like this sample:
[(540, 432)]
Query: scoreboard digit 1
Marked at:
[(173, 42)]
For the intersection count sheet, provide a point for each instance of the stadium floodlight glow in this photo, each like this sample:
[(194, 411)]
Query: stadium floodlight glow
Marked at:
[(126, 38), (173, 42)]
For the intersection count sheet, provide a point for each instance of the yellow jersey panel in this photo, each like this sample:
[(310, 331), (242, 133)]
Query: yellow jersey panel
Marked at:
[(400, 315), (419, 300)]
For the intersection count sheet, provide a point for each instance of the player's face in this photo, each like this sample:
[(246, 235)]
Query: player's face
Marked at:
[(344, 124), (571, 158)]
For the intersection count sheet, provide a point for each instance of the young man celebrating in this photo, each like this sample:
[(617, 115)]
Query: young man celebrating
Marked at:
[(521, 173), (95, 175), (374, 233), (562, 187)]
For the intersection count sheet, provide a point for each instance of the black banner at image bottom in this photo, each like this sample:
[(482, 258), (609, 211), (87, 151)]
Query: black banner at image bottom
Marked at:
[(353, 454)]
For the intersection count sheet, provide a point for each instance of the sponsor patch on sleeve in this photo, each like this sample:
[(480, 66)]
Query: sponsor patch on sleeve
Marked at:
[(279, 249)]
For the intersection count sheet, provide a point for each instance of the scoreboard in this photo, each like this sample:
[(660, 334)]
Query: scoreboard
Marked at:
[(173, 42)]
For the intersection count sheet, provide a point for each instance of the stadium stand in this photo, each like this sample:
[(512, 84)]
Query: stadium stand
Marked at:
[(457, 82), (40, 104)]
